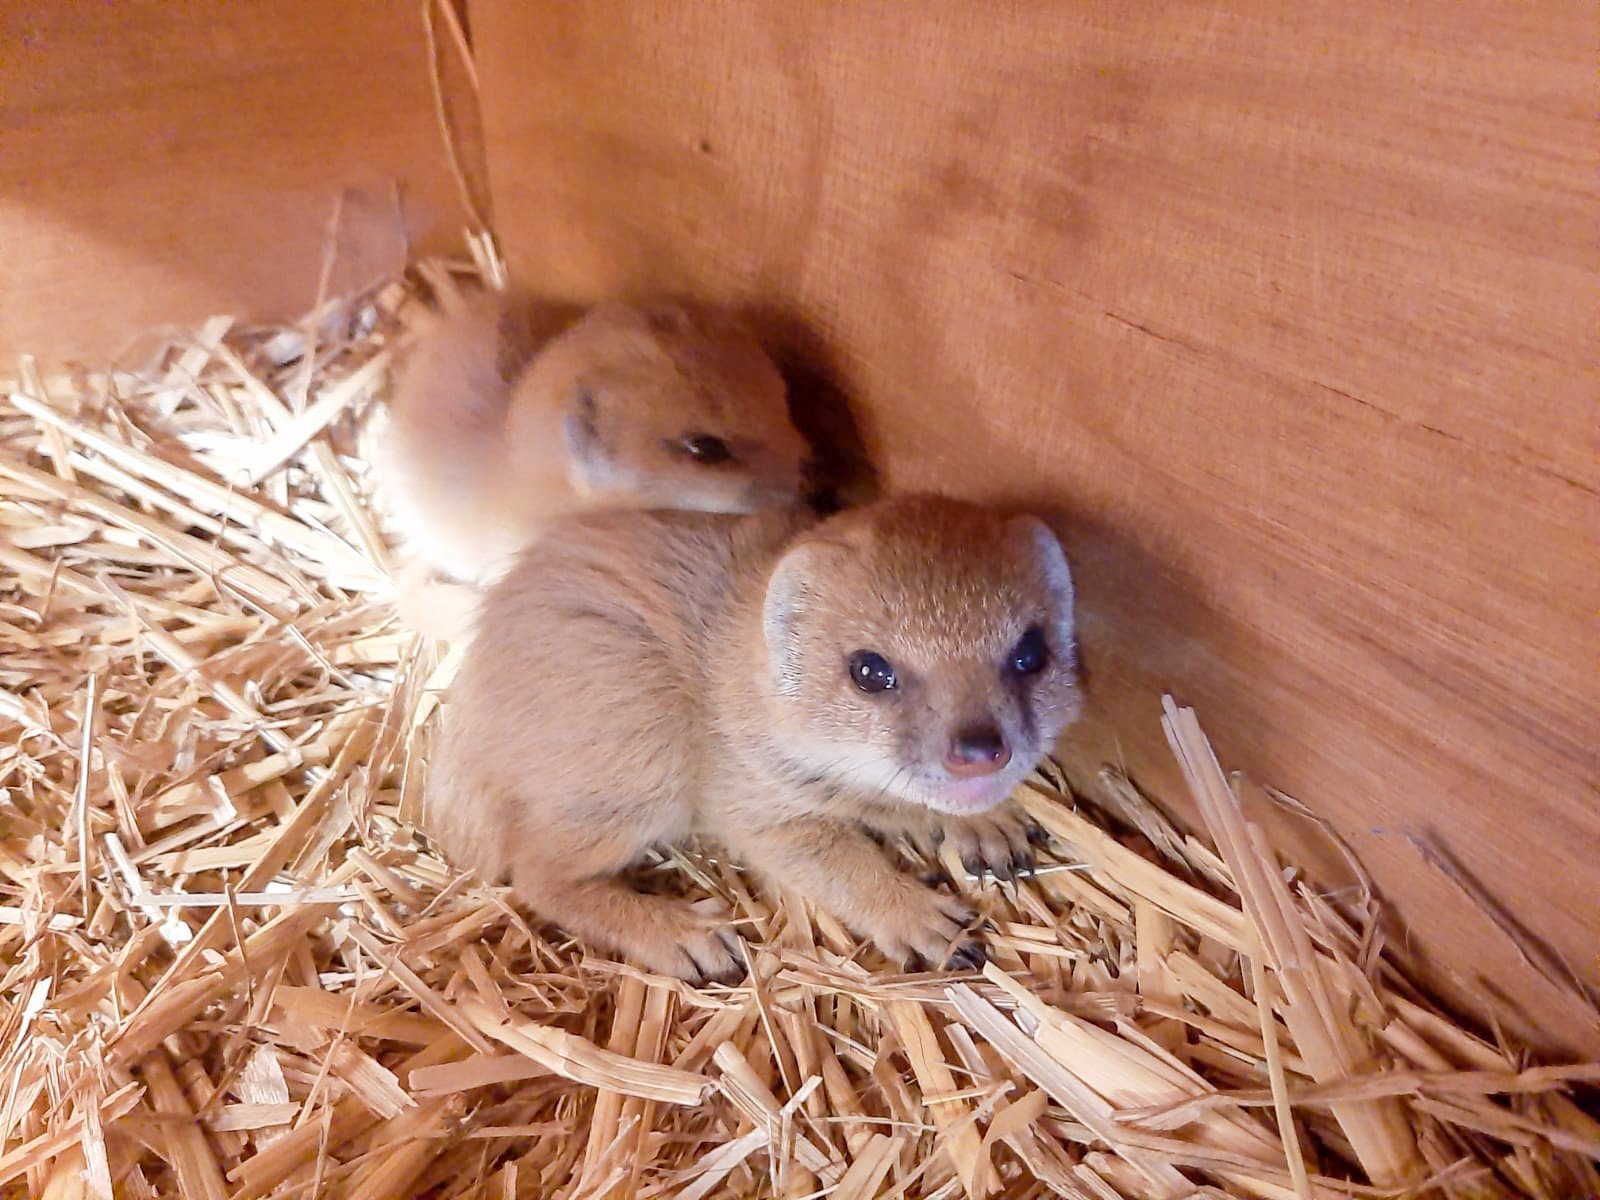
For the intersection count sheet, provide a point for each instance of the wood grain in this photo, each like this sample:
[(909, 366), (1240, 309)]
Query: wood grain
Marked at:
[(163, 162), (1285, 313)]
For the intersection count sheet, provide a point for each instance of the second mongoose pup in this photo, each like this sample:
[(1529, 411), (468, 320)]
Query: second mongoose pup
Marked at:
[(787, 687), (657, 404)]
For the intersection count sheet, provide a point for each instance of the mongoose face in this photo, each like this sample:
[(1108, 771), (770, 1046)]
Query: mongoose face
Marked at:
[(667, 406), (499, 423), (923, 649)]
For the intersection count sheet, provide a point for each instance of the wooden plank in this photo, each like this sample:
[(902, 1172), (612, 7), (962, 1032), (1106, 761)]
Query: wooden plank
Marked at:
[(1285, 313), (160, 163)]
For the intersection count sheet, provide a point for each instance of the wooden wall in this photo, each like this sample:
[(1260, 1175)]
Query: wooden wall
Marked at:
[(163, 162), (1286, 312)]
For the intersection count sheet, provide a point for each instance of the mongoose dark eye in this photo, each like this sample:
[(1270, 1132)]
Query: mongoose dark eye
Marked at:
[(1030, 655), (871, 672), (704, 449)]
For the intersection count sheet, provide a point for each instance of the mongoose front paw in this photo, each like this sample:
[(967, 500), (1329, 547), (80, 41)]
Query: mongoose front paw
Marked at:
[(712, 957), (681, 943), (925, 926), (1001, 841)]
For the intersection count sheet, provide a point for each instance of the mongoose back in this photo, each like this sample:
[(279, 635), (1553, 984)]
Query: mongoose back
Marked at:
[(657, 404), (784, 686)]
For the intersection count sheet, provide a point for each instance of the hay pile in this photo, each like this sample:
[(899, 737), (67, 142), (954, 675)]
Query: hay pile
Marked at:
[(232, 968)]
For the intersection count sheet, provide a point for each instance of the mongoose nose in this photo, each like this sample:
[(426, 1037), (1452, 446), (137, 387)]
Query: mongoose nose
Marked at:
[(979, 750)]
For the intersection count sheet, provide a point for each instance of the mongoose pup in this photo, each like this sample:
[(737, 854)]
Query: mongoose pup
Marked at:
[(787, 687), (636, 405)]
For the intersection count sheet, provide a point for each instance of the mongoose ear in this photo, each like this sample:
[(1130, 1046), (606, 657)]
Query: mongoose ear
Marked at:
[(589, 460), (1052, 561), (781, 612)]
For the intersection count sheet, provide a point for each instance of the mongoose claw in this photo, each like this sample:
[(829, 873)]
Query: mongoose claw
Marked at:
[(1000, 842), (968, 956)]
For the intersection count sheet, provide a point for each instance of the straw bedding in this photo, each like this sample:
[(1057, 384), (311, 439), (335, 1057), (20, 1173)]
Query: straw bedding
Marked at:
[(233, 967)]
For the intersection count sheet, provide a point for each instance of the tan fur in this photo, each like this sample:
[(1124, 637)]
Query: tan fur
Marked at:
[(490, 434), (638, 678), (436, 608)]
